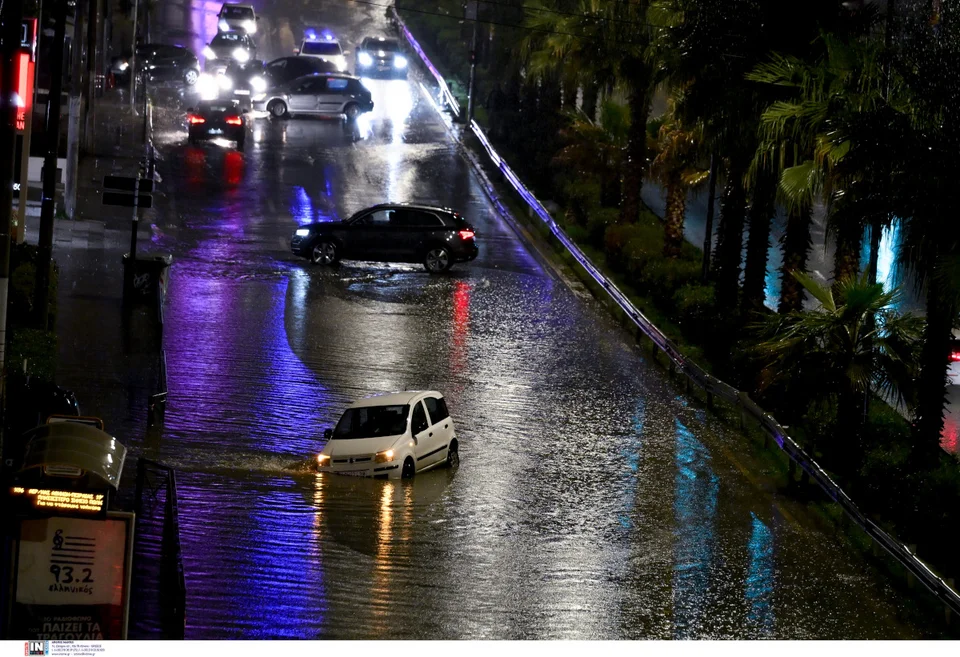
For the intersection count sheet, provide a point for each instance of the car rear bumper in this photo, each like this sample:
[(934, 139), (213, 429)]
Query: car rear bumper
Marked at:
[(230, 134), (466, 253)]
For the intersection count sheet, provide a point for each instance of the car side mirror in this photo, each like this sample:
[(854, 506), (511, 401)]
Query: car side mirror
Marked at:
[(346, 52), (296, 51), (327, 434)]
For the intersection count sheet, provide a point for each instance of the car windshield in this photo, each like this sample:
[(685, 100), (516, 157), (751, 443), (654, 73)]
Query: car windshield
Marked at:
[(371, 422), (389, 45), (237, 12), (320, 48), (227, 38)]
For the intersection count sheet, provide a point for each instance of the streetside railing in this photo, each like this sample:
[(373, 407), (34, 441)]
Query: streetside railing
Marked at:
[(712, 386)]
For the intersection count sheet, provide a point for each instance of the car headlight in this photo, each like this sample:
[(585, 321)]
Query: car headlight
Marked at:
[(341, 62), (303, 232), (400, 61), (224, 26), (250, 26), (383, 457), (224, 82), (124, 66), (365, 59), (258, 84), (206, 87), (241, 55), (323, 460), (208, 52)]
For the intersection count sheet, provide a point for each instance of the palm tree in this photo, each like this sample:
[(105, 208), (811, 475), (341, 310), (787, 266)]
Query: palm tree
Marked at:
[(852, 344), (678, 148)]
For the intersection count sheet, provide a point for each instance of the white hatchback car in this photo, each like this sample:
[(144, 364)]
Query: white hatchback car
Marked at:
[(235, 17), (391, 436)]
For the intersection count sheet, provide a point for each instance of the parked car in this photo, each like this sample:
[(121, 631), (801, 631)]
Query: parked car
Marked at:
[(227, 47), (235, 17), (161, 63), (394, 232), (381, 56), (283, 70), (217, 119), (325, 46), (953, 369), (331, 94), (392, 436)]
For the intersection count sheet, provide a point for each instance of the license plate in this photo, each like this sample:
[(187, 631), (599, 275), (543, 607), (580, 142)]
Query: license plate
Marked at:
[(242, 92), (215, 131), (354, 473)]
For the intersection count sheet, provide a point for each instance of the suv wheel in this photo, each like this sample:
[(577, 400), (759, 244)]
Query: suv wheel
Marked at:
[(437, 260), (324, 253), (278, 109), (191, 76)]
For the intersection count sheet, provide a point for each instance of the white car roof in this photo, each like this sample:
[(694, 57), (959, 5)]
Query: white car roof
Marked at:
[(393, 398)]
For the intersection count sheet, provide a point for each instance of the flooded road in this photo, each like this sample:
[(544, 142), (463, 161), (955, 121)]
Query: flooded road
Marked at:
[(592, 501)]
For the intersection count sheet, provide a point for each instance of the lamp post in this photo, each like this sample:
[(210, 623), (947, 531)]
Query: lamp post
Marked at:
[(471, 14)]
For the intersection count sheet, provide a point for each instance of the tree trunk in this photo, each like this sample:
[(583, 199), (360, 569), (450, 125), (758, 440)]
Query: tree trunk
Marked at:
[(935, 353), (848, 448), (569, 93), (635, 162), (758, 243), (796, 248), (591, 94), (846, 259), (674, 216), (729, 251)]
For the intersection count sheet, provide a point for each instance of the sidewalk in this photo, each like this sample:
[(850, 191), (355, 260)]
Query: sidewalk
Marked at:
[(111, 376)]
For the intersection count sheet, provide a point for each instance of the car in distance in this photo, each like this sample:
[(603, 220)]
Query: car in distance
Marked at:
[(392, 436), (391, 232), (227, 47), (380, 56), (325, 47), (235, 17), (217, 119), (242, 82), (283, 70), (330, 94), (161, 63)]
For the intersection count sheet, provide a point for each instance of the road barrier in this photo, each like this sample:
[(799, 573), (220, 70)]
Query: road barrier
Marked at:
[(712, 386)]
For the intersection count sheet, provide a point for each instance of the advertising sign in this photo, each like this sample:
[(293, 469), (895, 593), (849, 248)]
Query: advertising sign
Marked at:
[(73, 578)]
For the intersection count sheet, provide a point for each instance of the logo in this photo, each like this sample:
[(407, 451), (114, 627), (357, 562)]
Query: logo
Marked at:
[(36, 648)]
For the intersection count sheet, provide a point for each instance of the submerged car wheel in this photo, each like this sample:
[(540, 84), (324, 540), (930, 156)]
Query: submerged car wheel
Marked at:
[(278, 109), (409, 469), (437, 260), (191, 77), (453, 455), (324, 253)]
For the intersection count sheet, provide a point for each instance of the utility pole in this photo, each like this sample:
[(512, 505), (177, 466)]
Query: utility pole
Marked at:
[(133, 58), (52, 130), (12, 19), (472, 10), (77, 83)]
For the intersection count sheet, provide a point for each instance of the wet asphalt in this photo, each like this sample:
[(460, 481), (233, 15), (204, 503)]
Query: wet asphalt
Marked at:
[(593, 500)]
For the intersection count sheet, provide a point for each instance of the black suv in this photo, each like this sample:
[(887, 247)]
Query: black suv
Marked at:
[(391, 232), (286, 69), (161, 63)]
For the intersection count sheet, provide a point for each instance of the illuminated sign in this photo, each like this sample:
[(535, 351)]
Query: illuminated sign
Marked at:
[(28, 37), (63, 500), (23, 84)]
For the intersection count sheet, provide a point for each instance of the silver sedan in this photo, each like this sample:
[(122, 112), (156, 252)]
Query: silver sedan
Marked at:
[(327, 94)]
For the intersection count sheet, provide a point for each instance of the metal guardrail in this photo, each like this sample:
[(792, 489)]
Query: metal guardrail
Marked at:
[(711, 385)]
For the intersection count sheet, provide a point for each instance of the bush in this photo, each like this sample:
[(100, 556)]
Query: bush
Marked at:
[(23, 273), (38, 348), (598, 223), (695, 305), (664, 276)]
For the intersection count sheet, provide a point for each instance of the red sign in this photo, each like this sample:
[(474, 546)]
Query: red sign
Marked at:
[(23, 86)]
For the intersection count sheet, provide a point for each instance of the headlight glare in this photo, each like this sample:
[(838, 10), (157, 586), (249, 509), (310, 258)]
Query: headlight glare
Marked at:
[(384, 457), (258, 84), (323, 460), (224, 82), (208, 52), (303, 232), (224, 26), (250, 26), (241, 55), (400, 61), (124, 66), (365, 59)]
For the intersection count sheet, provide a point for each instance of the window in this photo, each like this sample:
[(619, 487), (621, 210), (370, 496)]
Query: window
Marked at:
[(323, 48), (337, 84), (415, 219), (236, 12), (419, 421), (277, 65), (437, 408), (227, 38), (372, 422), (310, 86), (376, 218)]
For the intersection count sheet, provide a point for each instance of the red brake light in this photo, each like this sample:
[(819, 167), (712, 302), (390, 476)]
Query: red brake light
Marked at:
[(955, 356), (234, 120), (466, 234), (193, 119)]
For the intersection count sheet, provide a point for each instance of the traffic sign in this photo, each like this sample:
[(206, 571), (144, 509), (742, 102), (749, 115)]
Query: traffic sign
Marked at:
[(126, 200), (126, 184)]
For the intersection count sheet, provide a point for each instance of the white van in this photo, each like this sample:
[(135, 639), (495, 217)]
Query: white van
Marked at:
[(237, 18)]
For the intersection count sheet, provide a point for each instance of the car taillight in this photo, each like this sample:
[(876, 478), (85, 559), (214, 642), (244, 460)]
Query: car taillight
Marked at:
[(955, 356), (466, 234), (234, 120), (193, 119)]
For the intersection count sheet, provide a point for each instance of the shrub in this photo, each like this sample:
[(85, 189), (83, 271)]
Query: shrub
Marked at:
[(695, 305), (598, 223), (39, 348), (664, 276)]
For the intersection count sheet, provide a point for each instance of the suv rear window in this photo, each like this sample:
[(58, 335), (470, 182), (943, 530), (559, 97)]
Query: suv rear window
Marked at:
[(237, 12)]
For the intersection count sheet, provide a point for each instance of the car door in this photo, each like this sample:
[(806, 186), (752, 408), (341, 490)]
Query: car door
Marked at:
[(304, 97), (369, 236), (406, 244), (333, 95), (440, 424), (165, 62), (426, 440)]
